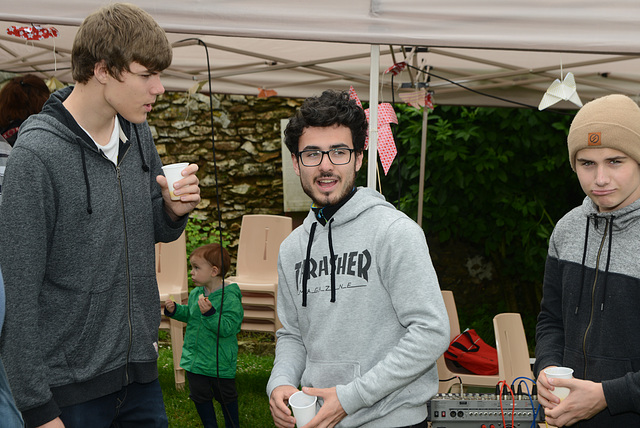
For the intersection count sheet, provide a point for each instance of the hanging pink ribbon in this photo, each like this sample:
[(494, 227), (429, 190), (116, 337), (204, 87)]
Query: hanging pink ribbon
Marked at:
[(354, 96), (386, 144)]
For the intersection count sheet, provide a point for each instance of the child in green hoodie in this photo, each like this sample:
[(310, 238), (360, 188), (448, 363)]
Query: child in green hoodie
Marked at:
[(213, 315)]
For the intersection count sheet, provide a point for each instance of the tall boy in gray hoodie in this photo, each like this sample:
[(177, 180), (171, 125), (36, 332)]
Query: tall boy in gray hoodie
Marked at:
[(363, 317), (84, 202)]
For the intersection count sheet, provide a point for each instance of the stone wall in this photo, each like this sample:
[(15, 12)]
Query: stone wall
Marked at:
[(248, 163)]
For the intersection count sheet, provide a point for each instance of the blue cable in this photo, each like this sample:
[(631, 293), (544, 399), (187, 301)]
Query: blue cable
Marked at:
[(533, 409)]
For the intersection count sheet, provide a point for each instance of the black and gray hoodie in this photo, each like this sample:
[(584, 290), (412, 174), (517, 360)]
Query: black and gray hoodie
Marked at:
[(77, 237), (590, 310), (372, 324)]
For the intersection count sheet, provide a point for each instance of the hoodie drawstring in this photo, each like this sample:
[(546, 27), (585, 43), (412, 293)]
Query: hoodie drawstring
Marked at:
[(145, 167), (305, 269), (86, 178), (333, 265), (609, 226), (584, 257), (606, 271)]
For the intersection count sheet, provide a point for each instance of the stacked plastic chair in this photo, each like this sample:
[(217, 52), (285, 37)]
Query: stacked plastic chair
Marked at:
[(171, 275), (257, 269)]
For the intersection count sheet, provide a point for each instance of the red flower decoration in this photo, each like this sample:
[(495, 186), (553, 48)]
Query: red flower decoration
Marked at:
[(33, 32)]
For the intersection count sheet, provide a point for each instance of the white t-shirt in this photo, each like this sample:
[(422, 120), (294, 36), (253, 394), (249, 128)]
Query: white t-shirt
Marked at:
[(112, 148)]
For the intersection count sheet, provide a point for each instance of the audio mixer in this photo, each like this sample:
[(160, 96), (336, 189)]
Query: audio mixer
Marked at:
[(482, 410)]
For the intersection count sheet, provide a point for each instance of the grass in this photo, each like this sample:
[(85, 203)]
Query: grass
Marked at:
[(254, 366)]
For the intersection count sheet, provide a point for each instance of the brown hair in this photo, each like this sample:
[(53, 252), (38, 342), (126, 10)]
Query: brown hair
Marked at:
[(21, 97), (212, 254), (119, 34)]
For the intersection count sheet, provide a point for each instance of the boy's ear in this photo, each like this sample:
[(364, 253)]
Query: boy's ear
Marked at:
[(101, 72), (215, 271), (296, 165)]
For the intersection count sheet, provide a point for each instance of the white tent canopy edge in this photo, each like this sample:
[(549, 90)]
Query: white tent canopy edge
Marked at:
[(510, 50), (589, 26)]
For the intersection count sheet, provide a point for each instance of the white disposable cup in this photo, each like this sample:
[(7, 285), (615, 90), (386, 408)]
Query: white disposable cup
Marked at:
[(173, 173), (559, 373), (304, 407)]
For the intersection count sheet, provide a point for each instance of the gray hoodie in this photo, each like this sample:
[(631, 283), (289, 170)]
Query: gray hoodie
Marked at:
[(374, 325), (589, 313), (77, 252)]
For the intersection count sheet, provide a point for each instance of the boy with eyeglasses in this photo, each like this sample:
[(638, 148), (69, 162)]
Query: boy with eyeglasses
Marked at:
[(363, 317)]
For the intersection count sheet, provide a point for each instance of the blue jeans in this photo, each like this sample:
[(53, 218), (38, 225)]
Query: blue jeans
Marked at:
[(136, 405), (10, 417)]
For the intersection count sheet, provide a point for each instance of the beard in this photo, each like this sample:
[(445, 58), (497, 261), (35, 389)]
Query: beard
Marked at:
[(322, 199)]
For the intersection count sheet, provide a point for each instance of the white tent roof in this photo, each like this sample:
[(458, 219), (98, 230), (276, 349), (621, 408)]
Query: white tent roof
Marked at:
[(508, 49)]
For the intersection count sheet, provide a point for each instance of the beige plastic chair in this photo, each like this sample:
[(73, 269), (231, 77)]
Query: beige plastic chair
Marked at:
[(446, 368), (257, 269), (511, 343), (171, 274)]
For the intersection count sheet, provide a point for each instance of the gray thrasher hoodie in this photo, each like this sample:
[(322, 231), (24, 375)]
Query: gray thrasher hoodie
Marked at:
[(77, 239), (374, 325)]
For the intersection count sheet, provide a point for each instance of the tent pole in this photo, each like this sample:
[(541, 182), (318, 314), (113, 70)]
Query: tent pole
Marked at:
[(423, 161), (373, 116)]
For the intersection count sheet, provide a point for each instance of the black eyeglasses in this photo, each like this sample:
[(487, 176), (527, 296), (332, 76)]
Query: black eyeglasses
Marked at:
[(339, 156)]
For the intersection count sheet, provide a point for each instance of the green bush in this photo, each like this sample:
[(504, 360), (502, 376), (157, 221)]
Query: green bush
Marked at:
[(494, 176), (200, 232)]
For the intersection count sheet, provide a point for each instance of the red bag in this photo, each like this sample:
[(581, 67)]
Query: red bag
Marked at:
[(471, 352)]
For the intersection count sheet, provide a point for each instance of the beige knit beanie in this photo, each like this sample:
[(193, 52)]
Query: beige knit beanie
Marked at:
[(612, 121)]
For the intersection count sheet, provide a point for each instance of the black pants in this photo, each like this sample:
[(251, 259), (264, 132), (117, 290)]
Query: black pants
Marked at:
[(205, 388)]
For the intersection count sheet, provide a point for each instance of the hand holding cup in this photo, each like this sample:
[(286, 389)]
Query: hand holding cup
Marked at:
[(180, 189), (304, 407), (559, 373), (173, 173)]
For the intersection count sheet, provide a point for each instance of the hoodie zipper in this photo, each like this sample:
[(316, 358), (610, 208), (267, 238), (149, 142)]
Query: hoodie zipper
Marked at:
[(126, 258), (593, 294)]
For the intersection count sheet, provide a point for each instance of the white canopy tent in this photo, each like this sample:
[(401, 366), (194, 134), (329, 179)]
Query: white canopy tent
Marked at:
[(483, 53), (512, 50)]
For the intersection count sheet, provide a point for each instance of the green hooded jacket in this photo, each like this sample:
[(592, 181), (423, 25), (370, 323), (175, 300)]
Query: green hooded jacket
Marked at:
[(199, 349)]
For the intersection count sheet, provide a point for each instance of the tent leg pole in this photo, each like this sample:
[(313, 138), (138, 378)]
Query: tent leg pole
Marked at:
[(373, 116), (423, 161)]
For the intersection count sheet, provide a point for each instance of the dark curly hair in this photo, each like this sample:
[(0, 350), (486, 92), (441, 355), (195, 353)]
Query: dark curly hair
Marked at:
[(330, 108)]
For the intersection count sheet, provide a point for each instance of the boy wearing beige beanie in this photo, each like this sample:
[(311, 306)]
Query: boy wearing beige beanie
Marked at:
[(588, 319)]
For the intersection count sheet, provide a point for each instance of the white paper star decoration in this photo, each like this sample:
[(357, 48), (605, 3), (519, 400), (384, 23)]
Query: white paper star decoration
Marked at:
[(561, 90)]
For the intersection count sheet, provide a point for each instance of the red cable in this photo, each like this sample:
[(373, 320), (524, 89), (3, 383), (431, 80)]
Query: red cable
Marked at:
[(513, 403)]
